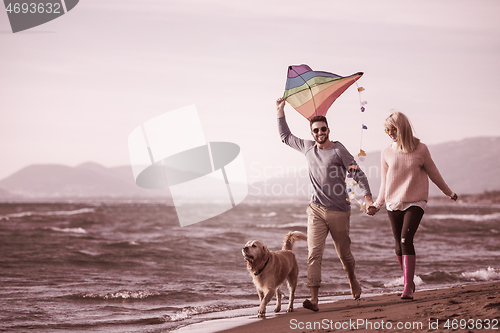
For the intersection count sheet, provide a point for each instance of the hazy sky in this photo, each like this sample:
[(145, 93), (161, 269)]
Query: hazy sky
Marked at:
[(73, 89)]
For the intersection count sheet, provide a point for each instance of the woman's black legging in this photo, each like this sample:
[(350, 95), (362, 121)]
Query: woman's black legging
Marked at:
[(404, 226)]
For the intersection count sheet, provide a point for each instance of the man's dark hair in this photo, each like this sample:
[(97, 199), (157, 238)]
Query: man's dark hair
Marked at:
[(317, 118)]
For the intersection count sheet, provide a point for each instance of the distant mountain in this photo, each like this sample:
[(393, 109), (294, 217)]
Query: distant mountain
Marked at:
[(87, 180), (469, 166), (5, 194)]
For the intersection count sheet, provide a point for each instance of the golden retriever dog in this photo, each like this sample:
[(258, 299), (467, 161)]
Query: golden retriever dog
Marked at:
[(270, 269)]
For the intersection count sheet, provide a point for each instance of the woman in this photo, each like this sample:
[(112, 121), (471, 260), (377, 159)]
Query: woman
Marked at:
[(404, 189)]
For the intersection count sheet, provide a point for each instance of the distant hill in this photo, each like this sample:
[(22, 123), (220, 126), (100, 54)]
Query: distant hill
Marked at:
[(469, 166), (88, 180), (5, 194)]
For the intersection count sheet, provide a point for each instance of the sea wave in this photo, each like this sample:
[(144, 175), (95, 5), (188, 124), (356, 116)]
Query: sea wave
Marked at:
[(68, 230), (466, 217), (123, 244), (400, 281), (489, 274), (54, 213), (89, 253), (282, 226), (191, 311), (439, 277), (120, 295), (270, 214)]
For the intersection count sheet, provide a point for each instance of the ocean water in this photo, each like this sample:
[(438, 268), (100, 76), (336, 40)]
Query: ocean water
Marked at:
[(130, 267)]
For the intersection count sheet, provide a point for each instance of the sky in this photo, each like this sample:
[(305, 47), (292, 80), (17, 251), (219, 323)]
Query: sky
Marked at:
[(73, 89)]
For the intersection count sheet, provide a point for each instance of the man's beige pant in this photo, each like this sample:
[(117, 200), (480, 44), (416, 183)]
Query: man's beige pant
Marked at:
[(320, 222)]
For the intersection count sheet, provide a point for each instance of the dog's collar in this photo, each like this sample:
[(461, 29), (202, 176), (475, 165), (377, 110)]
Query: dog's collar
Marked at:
[(260, 270)]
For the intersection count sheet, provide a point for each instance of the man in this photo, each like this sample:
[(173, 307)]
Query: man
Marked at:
[(328, 211)]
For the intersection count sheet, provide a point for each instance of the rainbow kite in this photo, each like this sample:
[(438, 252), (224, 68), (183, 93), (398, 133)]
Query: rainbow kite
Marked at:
[(312, 93)]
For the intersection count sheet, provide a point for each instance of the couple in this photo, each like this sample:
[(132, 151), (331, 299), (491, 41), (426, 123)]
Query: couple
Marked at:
[(406, 164)]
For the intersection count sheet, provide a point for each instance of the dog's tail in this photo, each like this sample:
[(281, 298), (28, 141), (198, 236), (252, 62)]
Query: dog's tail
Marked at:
[(291, 237)]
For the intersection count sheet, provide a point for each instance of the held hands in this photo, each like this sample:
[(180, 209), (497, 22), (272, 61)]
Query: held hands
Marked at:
[(372, 210)]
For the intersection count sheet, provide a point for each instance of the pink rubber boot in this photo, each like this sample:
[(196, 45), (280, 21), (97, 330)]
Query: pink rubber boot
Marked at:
[(408, 273)]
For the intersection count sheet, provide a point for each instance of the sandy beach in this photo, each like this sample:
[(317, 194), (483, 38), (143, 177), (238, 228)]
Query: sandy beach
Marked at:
[(472, 308)]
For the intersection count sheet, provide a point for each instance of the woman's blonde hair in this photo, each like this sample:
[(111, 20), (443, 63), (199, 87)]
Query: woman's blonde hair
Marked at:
[(405, 141)]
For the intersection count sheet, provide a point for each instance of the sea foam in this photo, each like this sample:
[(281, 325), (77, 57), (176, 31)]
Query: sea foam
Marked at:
[(282, 226), (54, 213), (69, 230), (400, 281), (466, 217), (488, 274)]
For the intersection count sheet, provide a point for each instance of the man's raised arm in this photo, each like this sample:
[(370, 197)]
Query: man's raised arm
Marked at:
[(286, 136)]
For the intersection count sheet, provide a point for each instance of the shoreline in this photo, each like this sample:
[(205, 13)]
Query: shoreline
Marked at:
[(471, 306)]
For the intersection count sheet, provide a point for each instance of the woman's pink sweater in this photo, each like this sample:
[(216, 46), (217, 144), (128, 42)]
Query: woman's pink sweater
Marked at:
[(404, 176)]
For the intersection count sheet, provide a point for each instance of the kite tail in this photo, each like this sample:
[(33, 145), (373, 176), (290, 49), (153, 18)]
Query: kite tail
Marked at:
[(362, 104)]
